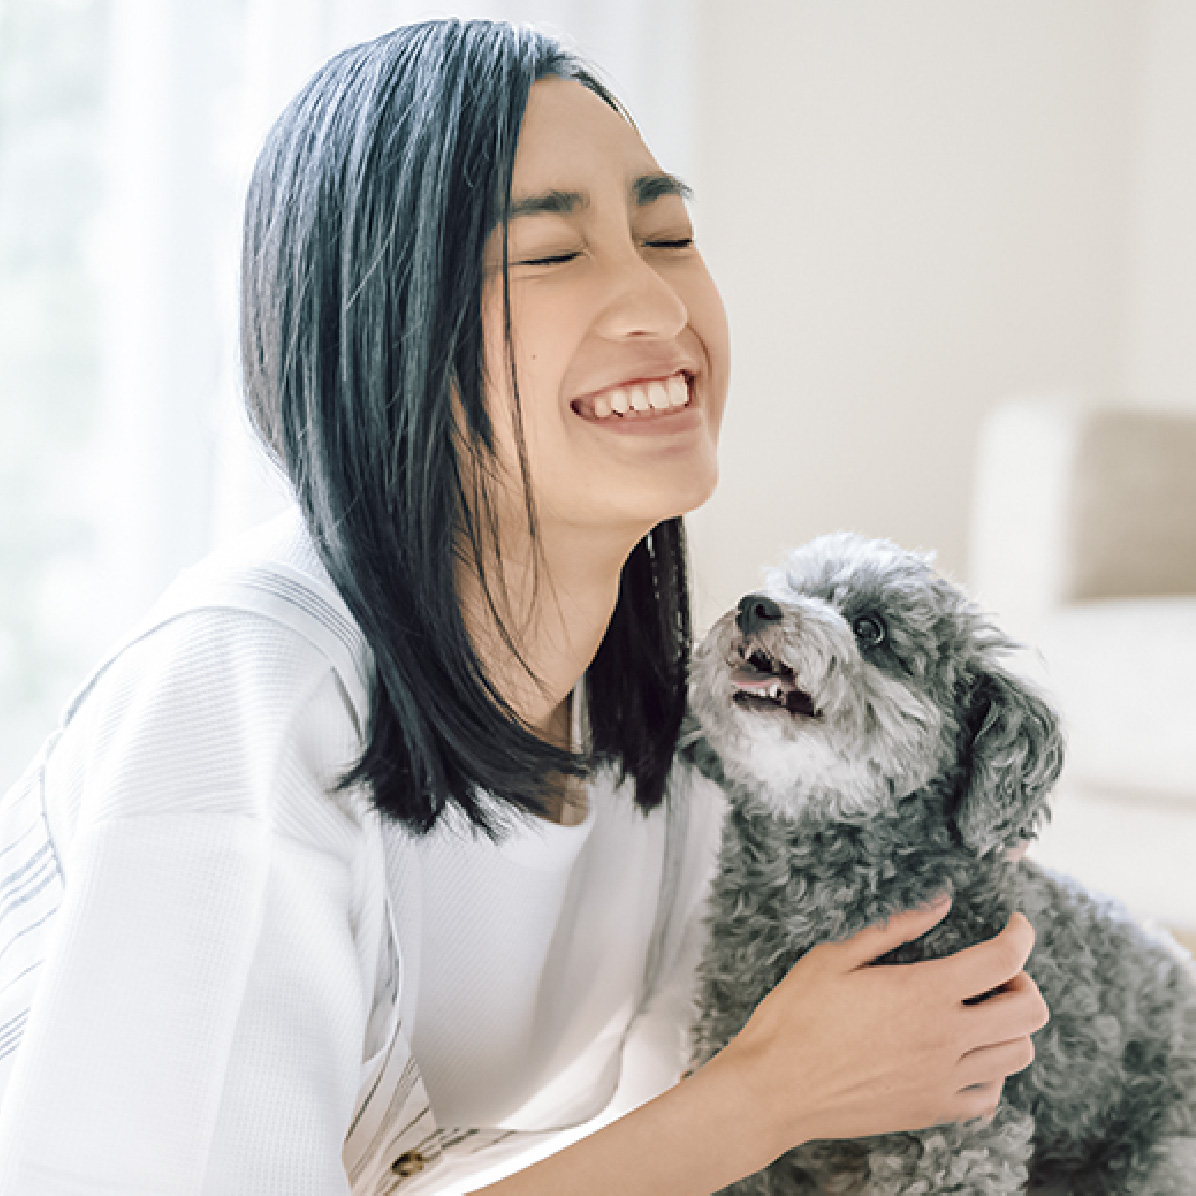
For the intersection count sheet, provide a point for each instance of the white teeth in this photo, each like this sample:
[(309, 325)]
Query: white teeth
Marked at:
[(661, 395), (774, 691)]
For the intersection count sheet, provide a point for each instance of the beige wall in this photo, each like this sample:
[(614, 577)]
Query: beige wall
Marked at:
[(913, 210), (1160, 346)]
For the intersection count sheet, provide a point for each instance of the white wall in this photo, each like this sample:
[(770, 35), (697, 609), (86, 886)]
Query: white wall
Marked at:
[(912, 210), (1160, 345)]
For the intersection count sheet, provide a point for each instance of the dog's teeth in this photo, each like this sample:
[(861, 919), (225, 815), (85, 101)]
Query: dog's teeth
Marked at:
[(774, 691)]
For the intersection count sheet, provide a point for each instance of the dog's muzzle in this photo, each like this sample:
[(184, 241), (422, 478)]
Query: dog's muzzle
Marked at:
[(756, 611), (763, 683)]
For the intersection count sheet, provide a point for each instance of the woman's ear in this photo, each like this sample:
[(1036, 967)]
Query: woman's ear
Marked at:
[(1013, 753)]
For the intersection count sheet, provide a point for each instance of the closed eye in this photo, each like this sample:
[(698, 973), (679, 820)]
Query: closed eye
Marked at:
[(557, 259)]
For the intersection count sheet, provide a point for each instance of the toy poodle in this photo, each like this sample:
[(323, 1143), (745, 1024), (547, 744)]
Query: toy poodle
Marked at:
[(875, 751)]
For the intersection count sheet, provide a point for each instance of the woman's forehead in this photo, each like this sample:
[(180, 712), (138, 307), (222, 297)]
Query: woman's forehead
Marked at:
[(568, 136)]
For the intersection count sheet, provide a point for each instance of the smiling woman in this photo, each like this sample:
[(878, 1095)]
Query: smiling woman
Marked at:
[(593, 290), (450, 633), (369, 849), (608, 295), (484, 450)]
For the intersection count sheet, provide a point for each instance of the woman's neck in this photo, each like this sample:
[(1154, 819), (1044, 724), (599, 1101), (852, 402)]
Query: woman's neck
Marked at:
[(557, 627)]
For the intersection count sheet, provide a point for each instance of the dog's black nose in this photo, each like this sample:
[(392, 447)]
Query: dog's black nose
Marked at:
[(754, 611)]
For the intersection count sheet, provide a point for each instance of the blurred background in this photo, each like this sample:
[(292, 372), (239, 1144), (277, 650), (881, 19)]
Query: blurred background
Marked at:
[(957, 243)]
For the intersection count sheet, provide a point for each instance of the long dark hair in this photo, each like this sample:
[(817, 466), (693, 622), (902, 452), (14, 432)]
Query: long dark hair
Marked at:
[(361, 310)]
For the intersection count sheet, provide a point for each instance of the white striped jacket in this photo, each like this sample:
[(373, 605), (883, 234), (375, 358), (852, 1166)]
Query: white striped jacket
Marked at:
[(393, 1142)]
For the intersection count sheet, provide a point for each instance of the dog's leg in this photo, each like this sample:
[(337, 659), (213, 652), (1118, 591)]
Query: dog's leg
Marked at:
[(1154, 1153), (969, 1160), (1169, 1168)]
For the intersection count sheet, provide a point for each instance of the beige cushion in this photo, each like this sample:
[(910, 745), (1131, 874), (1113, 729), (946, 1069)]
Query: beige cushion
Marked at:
[(1131, 520), (1124, 676), (1075, 501)]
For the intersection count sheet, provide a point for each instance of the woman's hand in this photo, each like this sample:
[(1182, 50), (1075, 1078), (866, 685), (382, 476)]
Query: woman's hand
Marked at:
[(844, 1049), (839, 1049)]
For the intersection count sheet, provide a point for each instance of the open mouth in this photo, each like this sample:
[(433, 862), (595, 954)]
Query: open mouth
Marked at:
[(640, 401), (763, 683)]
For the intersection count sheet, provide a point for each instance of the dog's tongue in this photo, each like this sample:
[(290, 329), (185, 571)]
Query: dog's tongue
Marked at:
[(752, 680)]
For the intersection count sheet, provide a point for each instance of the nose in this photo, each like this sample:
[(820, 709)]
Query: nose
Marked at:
[(642, 302), (755, 610)]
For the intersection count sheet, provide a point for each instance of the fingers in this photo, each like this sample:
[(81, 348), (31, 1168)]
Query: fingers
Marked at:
[(1016, 1012), (993, 1064), (987, 966), (982, 1073), (874, 941), (978, 1102)]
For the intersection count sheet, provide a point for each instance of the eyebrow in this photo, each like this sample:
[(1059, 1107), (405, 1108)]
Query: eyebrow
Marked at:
[(646, 189)]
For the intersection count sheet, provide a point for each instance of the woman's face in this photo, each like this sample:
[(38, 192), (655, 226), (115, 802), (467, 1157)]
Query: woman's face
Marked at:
[(612, 309)]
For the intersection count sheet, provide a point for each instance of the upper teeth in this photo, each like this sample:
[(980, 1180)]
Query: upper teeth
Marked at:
[(659, 396)]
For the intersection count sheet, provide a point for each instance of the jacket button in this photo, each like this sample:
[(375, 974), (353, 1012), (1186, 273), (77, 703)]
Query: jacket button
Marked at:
[(410, 1162)]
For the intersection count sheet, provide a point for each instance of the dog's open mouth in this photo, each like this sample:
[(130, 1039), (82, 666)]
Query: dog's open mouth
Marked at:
[(762, 683)]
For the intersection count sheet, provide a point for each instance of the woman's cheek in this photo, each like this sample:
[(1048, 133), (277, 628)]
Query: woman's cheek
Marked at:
[(710, 323)]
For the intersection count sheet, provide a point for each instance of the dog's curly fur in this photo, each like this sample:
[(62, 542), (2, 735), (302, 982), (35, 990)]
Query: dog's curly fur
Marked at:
[(900, 758)]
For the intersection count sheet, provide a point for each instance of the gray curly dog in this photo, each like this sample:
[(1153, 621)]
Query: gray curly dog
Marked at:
[(875, 752)]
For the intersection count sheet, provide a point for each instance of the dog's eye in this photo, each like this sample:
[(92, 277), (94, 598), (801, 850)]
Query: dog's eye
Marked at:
[(869, 630)]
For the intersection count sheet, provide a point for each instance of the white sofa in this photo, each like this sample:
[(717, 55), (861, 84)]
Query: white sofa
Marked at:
[(1083, 544)]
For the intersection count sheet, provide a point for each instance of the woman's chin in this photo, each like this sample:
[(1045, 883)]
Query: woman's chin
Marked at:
[(678, 503), (628, 504), (699, 489)]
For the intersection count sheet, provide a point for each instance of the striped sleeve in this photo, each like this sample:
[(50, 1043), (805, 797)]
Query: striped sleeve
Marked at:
[(199, 1016), (30, 893)]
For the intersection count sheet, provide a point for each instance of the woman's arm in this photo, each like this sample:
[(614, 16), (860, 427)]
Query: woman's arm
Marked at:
[(199, 1023), (839, 1049)]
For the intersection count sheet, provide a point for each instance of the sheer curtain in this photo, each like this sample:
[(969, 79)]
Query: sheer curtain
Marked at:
[(159, 465)]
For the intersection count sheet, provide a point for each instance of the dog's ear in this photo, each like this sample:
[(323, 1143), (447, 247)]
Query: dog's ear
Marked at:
[(1012, 756)]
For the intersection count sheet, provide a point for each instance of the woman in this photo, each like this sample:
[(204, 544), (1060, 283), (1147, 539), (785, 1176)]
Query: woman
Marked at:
[(357, 858)]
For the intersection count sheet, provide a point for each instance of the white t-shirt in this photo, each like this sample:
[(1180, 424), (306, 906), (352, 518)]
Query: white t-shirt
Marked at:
[(218, 976)]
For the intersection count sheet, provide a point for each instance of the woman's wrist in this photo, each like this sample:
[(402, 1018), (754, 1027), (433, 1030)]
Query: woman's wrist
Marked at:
[(766, 1124), (704, 1133), (728, 1106)]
